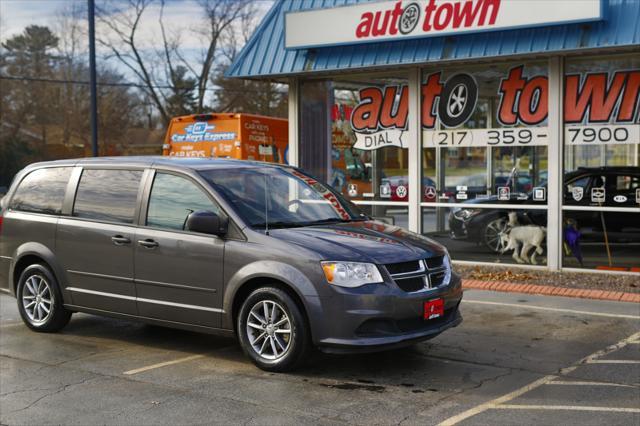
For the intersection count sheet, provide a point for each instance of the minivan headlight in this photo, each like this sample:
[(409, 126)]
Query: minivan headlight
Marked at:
[(446, 261), (351, 274)]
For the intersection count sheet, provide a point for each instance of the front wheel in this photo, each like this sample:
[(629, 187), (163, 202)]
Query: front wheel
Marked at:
[(40, 301), (273, 330)]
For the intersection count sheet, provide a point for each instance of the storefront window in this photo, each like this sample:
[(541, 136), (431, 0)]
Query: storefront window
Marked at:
[(485, 137), (369, 141), (601, 217)]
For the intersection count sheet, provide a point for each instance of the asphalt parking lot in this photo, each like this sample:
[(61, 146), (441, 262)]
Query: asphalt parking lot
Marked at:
[(515, 360)]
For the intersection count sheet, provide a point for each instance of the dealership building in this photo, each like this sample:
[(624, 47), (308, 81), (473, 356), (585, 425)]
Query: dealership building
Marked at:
[(507, 130)]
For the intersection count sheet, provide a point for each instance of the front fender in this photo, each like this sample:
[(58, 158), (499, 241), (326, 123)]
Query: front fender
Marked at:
[(278, 271), (44, 253)]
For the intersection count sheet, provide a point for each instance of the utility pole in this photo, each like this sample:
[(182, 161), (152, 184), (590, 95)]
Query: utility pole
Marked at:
[(92, 76)]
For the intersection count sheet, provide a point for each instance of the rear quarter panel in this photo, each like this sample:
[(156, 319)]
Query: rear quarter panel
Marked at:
[(24, 234)]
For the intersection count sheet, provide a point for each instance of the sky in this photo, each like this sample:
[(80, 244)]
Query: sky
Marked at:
[(17, 14), (181, 18)]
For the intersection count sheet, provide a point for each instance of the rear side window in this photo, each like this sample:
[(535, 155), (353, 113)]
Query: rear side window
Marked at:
[(107, 195), (173, 199), (42, 191)]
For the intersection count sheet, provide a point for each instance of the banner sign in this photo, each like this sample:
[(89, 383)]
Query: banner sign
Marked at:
[(370, 141), (405, 19), (591, 101)]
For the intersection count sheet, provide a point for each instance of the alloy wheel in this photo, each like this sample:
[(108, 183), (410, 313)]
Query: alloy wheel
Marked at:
[(269, 330), (37, 299)]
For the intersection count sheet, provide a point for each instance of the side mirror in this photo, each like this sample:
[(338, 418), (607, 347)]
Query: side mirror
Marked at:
[(206, 222)]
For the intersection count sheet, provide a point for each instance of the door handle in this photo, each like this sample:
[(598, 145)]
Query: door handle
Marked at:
[(119, 240), (150, 244)]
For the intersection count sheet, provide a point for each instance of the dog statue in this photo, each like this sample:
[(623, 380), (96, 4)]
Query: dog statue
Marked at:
[(530, 236)]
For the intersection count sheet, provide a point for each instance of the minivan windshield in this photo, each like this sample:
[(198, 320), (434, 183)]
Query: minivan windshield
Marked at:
[(280, 197)]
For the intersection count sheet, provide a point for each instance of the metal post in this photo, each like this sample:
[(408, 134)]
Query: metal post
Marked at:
[(414, 137), (92, 77), (294, 117), (555, 188)]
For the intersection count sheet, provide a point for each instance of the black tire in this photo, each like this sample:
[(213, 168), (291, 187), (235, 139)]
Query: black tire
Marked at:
[(294, 350), (38, 275), (469, 88)]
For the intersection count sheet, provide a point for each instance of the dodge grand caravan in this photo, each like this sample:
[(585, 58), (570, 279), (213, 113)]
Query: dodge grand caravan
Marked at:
[(260, 251)]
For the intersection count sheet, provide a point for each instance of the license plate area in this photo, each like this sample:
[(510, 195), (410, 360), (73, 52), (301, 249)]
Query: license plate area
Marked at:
[(433, 309)]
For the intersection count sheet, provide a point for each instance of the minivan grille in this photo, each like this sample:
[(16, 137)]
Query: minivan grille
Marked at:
[(418, 275), (434, 262), (437, 278), (403, 267), (411, 284)]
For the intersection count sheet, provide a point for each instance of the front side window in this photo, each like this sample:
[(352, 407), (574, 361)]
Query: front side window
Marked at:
[(42, 191), (108, 195), (173, 199), (280, 197)]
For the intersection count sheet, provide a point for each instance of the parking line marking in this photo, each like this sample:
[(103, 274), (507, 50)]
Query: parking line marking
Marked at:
[(544, 308), (614, 361), (162, 364), (494, 403), (568, 383), (540, 382), (565, 407)]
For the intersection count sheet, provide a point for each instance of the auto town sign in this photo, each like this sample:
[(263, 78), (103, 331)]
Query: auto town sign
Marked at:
[(396, 20), (590, 101)]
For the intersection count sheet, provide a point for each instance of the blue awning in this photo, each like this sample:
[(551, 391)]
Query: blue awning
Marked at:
[(265, 55)]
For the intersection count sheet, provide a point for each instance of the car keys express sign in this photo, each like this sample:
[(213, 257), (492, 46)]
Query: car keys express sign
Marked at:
[(397, 20), (591, 102)]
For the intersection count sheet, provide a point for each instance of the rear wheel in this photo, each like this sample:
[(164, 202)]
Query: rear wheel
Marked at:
[(40, 301), (491, 235), (273, 330)]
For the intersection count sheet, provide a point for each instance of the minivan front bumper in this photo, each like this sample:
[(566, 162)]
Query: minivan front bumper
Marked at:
[(383, 317)]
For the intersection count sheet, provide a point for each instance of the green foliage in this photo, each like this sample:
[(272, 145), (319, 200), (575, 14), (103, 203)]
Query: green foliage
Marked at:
[(14, 155), (183, 98)]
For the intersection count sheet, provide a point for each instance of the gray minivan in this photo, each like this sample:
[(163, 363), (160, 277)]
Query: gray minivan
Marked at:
[(260, 251)]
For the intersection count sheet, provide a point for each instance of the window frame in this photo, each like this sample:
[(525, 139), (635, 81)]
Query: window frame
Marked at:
[(147, 190)]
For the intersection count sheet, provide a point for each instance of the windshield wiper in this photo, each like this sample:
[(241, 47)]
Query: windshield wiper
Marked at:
[(279, 224), (333, 220)]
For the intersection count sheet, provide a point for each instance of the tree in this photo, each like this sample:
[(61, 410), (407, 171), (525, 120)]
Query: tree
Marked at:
[(257, 97), (171, 87), (182, 100), (29, 55)]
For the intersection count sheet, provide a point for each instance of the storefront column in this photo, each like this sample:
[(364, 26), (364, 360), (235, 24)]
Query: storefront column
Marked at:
[(555, 150), (415, 149), (294, 117)]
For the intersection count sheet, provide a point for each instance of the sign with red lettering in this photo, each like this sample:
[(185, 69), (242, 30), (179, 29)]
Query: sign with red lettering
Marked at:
[(380, 118), (402, 19)]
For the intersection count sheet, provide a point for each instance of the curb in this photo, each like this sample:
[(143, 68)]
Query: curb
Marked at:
[(544, 290)]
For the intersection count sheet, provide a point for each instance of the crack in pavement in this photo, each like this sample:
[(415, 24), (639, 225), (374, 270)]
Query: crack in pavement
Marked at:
[(165, 386), (57, 391)]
